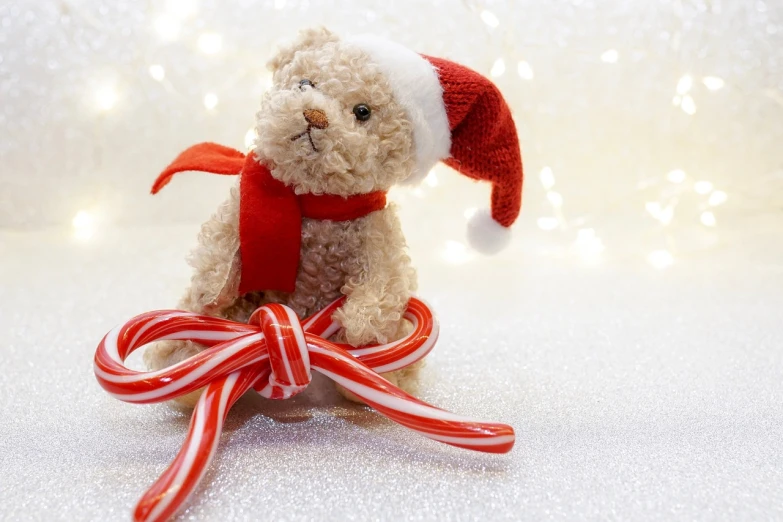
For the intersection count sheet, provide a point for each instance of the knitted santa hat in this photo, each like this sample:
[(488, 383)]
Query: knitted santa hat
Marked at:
[(459, 117)]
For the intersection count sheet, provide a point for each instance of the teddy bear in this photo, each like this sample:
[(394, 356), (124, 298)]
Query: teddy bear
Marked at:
[(308, 221)]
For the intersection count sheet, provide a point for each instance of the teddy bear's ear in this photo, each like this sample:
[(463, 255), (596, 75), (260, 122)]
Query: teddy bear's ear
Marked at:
[(312, 38)]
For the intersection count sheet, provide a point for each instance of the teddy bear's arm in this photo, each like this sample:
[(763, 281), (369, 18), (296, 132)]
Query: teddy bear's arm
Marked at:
[(378, 293), (214, 285)]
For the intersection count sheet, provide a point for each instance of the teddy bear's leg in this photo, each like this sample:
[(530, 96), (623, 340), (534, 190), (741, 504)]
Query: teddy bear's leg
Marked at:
[(407, 379), (379, 292), (213, 288), (167, 353)]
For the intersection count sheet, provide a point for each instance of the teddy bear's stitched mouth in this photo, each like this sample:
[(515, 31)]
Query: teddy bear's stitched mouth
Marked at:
[(309, 137)]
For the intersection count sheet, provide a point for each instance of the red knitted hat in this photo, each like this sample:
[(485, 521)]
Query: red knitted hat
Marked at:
[(459, 117)]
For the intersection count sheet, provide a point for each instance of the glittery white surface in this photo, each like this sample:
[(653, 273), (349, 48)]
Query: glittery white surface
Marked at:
[(631, 333), (636, 394)]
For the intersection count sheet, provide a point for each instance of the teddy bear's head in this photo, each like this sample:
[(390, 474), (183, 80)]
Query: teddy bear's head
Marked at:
[(330, 123)]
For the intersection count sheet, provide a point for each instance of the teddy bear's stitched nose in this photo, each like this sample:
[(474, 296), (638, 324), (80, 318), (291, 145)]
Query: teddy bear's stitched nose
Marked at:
[(316, 118)]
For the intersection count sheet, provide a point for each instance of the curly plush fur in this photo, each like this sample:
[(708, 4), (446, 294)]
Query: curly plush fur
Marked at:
[(363, 259)]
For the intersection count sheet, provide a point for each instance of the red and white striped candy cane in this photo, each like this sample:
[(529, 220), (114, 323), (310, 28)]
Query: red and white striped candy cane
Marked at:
[(272, 354)]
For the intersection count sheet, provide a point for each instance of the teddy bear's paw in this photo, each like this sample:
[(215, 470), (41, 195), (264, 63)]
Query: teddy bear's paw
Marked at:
[(360, 327), (166, 353), (359, 331)]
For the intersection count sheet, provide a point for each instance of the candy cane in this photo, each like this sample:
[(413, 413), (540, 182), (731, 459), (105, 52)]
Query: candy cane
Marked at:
[(273, 354)]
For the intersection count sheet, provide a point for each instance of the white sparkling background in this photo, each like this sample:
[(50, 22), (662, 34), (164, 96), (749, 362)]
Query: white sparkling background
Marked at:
[(631, 333)]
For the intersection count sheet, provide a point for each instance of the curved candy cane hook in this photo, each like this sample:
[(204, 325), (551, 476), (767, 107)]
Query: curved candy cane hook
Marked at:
[(273, 354)]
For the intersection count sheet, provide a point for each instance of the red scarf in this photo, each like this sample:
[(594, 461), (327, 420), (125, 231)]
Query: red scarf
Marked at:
[(270, 214)]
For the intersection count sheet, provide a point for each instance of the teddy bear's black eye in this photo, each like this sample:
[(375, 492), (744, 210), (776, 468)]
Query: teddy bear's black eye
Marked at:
[(362, 112), (305, 83)]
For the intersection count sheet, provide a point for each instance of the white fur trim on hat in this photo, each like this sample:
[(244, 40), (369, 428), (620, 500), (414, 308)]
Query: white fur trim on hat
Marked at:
[(416, 87)]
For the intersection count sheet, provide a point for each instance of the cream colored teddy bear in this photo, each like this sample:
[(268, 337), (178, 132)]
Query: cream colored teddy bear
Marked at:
[(345, 120)]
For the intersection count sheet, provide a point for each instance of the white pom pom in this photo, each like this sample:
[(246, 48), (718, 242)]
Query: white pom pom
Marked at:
[(486, 235)]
